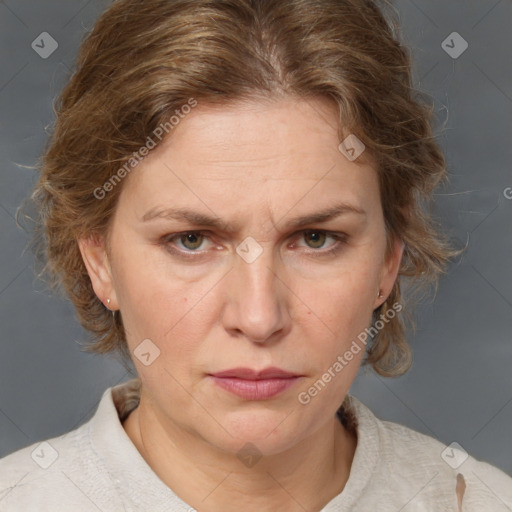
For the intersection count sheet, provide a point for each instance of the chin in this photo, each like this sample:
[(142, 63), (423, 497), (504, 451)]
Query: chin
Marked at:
[(269, 431)]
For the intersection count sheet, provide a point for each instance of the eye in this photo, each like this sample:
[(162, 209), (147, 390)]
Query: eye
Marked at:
[(317, 239), (191, 241), (188, 242)]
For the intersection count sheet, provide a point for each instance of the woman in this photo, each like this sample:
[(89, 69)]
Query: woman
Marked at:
[(233, 194)]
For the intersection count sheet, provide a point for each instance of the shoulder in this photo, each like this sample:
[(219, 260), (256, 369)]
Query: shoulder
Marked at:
[(57, 473), (418, 468), (43, 473)]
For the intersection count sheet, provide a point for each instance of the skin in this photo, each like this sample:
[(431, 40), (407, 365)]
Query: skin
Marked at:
[(255, 166)]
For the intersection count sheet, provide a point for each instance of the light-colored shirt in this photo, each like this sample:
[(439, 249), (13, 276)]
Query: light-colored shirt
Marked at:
[(97, 468)]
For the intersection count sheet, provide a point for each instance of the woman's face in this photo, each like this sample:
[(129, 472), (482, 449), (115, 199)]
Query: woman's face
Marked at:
[(247, 240)]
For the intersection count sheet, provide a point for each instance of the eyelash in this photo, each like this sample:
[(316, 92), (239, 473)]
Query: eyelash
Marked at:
[(340, 238)]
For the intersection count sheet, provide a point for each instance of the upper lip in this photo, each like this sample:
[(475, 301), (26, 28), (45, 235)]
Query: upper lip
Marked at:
[(250, 374)]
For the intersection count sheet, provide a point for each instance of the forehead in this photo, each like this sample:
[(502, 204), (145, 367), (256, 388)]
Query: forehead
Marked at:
[(261, 135), (261, 150)]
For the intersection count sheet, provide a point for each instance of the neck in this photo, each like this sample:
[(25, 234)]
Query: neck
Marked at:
[(304, 477)]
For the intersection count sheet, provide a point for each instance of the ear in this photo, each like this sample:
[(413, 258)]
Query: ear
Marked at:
[(94, 255), (389, 272)]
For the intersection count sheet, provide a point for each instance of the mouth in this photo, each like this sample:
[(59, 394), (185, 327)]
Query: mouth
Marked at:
[(252, 384)]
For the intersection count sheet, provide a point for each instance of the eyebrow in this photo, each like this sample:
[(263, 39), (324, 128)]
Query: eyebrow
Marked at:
[(201, 219)]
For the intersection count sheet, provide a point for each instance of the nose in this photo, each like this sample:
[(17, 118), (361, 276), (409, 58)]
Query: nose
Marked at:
[(256, 306)]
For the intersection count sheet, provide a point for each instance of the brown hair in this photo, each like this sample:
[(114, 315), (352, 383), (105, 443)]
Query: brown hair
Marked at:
[(145, 59)]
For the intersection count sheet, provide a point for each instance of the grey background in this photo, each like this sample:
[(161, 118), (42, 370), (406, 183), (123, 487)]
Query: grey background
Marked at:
[(459, 388)]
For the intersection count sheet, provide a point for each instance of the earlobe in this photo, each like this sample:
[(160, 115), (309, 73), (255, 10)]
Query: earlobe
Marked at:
[(96, 261), (390, 271)]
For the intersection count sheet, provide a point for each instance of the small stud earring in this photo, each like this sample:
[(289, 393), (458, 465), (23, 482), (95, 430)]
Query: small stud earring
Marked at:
[(379, 295), (108, 306)]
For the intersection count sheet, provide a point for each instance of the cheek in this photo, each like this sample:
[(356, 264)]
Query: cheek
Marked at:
[(174, 313), (338, 311), (143, 297), (332, 348), (343, 300)]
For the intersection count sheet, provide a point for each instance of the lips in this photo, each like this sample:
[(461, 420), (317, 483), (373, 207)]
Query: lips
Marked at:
[(252, 384), (249, 374)]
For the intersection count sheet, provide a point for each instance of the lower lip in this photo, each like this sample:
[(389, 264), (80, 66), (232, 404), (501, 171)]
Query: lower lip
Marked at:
[(255, 389)]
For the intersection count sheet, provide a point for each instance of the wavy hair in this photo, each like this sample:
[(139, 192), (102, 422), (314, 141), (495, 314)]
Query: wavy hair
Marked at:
[(144, 59)]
